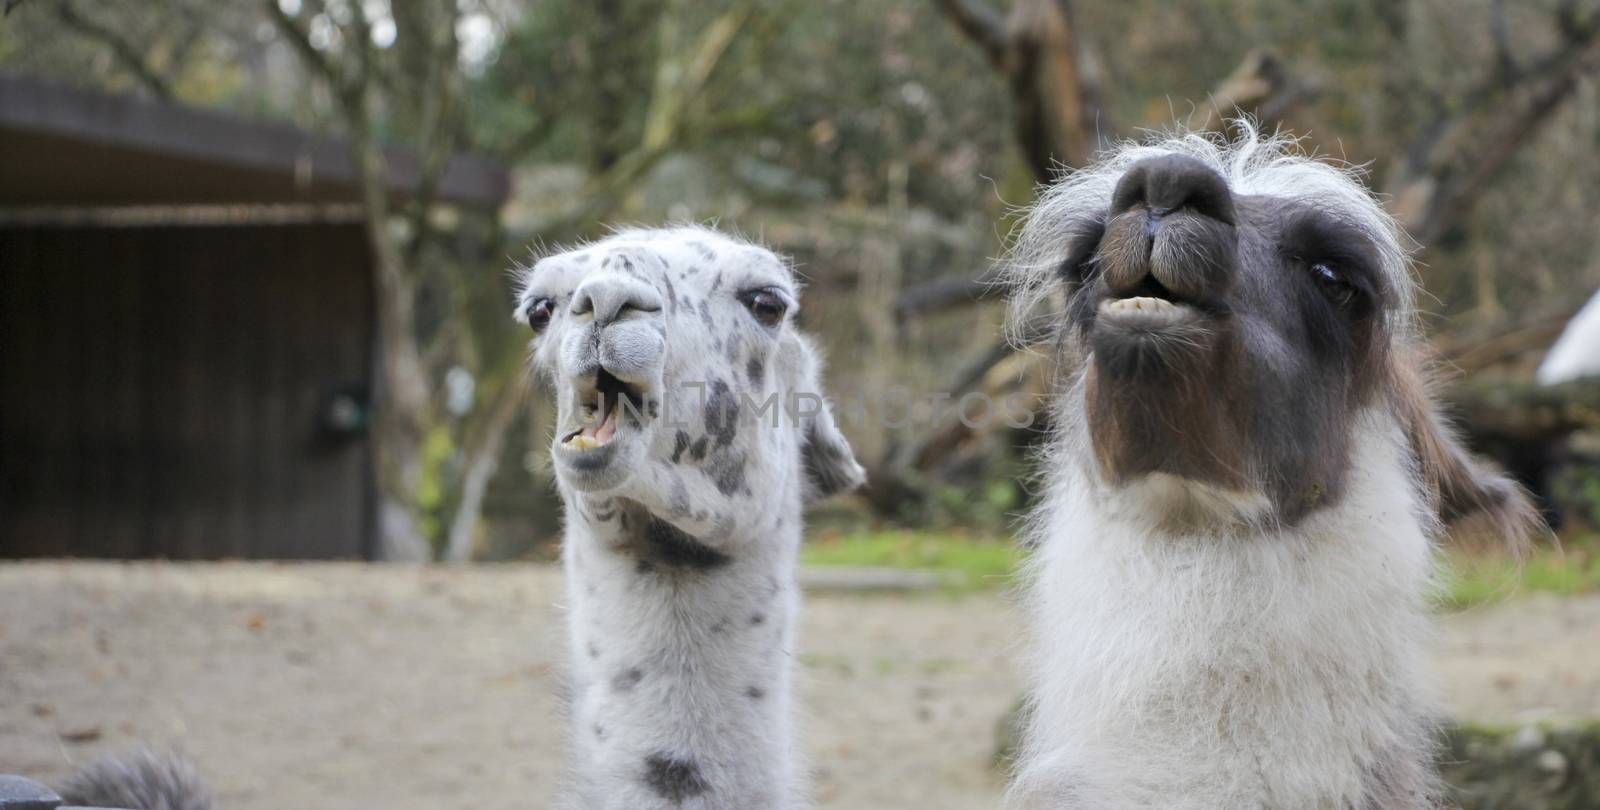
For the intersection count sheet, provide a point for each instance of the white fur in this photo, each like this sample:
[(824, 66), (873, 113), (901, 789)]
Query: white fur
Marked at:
[(1213, 670), (686, 664), (1576, 354)]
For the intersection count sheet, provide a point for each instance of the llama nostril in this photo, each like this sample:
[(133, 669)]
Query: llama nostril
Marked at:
[(1171, 182), (608, 300)]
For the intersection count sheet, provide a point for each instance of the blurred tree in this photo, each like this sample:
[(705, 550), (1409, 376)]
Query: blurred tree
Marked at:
[(405, 69), (885, 144)]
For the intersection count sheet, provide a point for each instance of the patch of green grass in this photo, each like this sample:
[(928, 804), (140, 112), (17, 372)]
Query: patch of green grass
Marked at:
[(1472, 580), (981, 561)]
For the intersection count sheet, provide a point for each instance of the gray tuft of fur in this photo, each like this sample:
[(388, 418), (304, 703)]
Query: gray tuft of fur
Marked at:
[(145, 780)]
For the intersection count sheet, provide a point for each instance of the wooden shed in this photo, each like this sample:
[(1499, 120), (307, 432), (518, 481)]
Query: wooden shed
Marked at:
[(187, 342)]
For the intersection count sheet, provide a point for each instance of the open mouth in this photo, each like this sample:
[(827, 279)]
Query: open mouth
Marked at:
[(601, 403), (1148, 305)]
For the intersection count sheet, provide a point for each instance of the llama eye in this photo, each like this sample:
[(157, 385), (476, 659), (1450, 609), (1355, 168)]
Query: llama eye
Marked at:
[(1334, 284), (767, 306), (539, 313)]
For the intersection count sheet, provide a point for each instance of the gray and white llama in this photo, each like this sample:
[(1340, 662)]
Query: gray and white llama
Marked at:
[(1234, 541), (691, 432)]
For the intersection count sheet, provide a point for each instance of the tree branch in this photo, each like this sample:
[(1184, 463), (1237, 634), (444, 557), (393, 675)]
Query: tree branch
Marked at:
[(946, 293), (300, 40), (1497, 409), (1508, 130), (126, 54), (983, 26), (1502, 42), (665, 126)]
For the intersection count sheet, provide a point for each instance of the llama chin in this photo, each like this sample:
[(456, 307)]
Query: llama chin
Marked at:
[(1227, 599)]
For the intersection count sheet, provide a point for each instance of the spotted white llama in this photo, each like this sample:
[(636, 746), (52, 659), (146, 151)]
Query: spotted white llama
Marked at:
[(692, 431), (1227, 597)]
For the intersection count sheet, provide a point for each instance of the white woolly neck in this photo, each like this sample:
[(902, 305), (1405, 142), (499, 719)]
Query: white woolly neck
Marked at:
[(1275, 668)]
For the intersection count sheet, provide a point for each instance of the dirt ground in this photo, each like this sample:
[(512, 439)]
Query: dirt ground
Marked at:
[(334, 686)]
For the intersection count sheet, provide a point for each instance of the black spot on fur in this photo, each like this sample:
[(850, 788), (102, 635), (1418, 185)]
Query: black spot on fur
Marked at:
[(722, 413), (627, 679), (594, 652), (756, 369), (644, 567), (669, 545), (599, 731), (698, 450), (755, 693), (674, 779), (680, 443), (720, 627), (758, 619)]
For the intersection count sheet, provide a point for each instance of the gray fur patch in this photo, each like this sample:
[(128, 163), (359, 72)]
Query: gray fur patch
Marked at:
[(680, 443), (710, 322), (672, 295), (756, 369), (726, 470), (144, 780), (627, 679)]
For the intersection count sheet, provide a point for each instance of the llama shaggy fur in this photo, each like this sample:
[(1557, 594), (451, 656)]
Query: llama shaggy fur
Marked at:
[(143, 780), (683, 489), (1235, 536)]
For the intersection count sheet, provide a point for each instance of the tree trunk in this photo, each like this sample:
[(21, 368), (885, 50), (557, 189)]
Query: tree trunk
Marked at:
[(481, 462)]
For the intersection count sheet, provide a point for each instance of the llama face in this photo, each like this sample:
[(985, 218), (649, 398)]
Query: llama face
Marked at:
[(1232, 336), (677, 347), (1234, 312)]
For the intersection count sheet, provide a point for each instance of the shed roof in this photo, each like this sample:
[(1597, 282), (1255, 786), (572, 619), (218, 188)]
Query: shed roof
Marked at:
[(61, 145)]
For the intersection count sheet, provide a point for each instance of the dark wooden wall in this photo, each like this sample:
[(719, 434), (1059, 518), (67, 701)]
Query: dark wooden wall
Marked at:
[(162, 392)]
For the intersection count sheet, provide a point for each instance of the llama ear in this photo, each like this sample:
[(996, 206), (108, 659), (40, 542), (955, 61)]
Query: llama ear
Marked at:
[(829, 464), (826, 458), (1471, 500)]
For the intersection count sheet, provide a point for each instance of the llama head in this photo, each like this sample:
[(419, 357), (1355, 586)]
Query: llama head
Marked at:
[(1236, 313), (678, 346)]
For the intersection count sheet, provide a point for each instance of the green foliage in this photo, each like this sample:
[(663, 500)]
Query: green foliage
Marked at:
[(982, 562), (1526, 769), (1468, 580), (1471, 580), (434, 495)]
